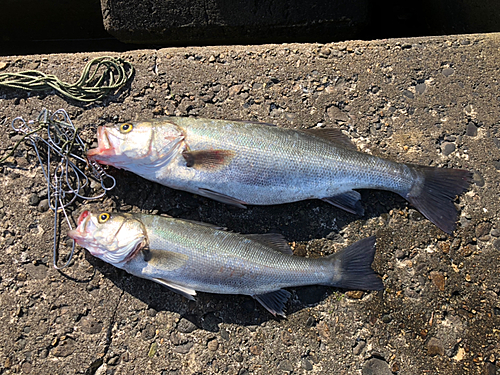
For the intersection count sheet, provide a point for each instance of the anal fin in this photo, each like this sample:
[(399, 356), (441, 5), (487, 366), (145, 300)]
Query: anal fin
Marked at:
[(348, 201), (182, 290), (221, 197), (274, 302)]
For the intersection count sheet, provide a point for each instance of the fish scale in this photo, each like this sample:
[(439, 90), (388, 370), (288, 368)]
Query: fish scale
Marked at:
[(220, 253), (281, 158)]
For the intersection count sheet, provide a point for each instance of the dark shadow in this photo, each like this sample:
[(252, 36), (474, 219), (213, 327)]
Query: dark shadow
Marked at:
[(62, 45), (81, 29), (208, 310), (78, 280), (299, 221)]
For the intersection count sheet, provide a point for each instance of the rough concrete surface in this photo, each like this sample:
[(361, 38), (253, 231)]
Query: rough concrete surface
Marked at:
[(431, 101)]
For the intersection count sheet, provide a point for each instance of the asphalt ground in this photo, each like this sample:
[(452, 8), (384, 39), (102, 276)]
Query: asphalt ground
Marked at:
[(430, 101)]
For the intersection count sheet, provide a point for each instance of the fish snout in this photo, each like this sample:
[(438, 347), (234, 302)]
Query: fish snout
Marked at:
[(81, 230), (82, 216), (74, 234), (104, 147)]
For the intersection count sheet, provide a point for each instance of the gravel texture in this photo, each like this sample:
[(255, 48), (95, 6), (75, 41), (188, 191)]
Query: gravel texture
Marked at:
[(431, 101)]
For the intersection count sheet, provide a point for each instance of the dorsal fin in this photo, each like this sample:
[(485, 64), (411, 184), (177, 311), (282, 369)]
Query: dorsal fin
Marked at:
[(273, 240), (333, 135), (213, 226)]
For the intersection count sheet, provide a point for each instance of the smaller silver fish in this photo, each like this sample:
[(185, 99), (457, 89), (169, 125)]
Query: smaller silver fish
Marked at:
[(188, 257)]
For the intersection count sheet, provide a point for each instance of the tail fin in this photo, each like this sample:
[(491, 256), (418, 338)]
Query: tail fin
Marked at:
[(434, 197), (354, 269)]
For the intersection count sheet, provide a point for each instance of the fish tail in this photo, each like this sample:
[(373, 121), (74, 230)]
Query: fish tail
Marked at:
[(434, 195), (353, 267)]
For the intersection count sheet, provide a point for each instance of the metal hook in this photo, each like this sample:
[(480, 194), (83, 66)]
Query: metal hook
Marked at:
[(66, 181), (99, 173), (57, 199)]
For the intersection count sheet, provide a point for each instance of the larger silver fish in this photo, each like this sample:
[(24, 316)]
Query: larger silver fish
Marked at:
[(244, 163), (188, 257)]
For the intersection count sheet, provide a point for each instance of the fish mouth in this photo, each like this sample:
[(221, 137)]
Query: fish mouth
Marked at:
[(81, 230), (82, 216), (104, 146)]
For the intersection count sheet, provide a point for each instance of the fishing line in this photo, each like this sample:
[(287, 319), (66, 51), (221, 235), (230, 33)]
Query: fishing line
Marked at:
[(63, 170), (100, 77)]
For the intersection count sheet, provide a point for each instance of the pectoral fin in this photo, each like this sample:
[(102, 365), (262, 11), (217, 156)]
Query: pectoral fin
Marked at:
[(275, 301), (182, 290), (334, 136), (221, 197), (349, 201), (208, 159)]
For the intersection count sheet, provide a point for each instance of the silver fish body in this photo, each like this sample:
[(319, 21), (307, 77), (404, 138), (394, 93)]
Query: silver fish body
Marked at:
[(189, 257), (273, 165), (251, 163)]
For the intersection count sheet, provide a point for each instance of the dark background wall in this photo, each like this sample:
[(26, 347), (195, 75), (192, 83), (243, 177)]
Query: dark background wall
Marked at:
[(44, 26)]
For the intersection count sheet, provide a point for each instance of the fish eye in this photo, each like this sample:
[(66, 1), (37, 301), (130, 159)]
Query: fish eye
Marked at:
[(126, 128), (102, 218)]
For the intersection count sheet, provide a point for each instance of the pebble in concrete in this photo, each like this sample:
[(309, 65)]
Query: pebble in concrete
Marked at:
[(471, 129), (375, 366), (447, 148), (185, 326), (435, 347)]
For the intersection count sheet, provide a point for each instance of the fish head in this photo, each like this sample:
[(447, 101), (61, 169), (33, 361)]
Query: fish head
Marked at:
[(135, 143), (112, 237)]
